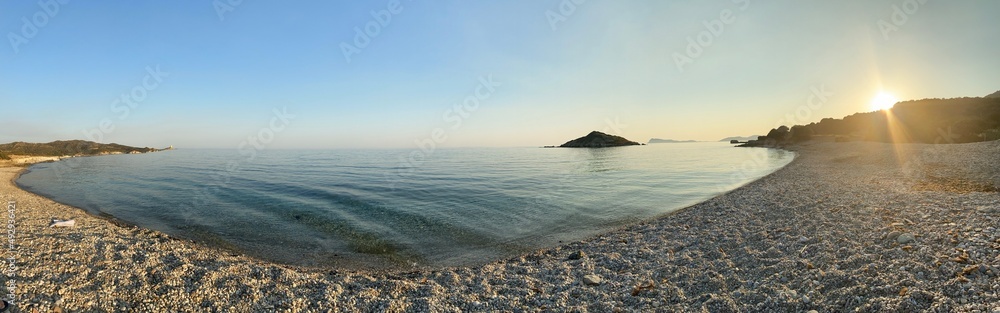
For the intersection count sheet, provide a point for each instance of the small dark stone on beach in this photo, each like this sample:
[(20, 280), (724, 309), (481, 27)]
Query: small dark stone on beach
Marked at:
[(577, 255)]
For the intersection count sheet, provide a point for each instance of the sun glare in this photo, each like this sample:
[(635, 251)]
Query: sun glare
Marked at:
[(883, 101)]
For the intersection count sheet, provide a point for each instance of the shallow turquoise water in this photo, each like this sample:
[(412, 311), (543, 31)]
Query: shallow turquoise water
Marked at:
[(373, 208)]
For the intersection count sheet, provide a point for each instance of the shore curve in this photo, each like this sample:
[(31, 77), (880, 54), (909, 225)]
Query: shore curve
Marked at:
[(844, 226)]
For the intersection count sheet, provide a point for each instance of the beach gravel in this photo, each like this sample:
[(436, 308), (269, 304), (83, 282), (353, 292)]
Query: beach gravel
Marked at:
[(845, 227)]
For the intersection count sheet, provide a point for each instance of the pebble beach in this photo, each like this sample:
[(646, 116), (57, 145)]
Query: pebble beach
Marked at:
[(845, 227)]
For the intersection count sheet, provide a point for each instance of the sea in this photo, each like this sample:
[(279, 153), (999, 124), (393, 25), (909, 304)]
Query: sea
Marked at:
[(391, 209)]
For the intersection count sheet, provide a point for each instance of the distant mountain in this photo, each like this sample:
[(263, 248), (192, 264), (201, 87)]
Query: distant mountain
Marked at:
[(728, 139), (658, 140), (68, 148), (598, 139), (994, 95)]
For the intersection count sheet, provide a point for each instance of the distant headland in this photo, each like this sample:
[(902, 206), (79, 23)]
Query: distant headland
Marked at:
[(67, 148), (596, 139), (930, 121)]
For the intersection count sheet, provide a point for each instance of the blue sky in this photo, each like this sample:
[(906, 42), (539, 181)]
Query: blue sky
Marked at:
[(558, 69)]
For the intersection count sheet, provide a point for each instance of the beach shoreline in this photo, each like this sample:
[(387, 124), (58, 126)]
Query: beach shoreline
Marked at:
[(801, 238)]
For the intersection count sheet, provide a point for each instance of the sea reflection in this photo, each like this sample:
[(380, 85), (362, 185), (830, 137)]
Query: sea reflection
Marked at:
[(599, 160)]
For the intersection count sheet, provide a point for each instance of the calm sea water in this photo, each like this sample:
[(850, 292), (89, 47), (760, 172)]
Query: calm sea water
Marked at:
[(370, 209)]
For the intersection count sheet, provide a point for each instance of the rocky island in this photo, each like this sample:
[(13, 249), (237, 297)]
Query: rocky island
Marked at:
[(598, 139)]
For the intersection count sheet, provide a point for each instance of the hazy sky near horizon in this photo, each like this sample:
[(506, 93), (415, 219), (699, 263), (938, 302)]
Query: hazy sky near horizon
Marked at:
[(201, 74)]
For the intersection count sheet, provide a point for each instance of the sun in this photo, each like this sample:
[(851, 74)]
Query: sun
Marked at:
[(883, 101)]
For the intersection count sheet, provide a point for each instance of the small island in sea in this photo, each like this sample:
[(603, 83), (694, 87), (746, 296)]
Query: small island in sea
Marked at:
[(596, 139)]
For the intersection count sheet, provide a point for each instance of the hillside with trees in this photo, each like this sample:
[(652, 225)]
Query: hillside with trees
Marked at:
[(67, 148), (957, 120)]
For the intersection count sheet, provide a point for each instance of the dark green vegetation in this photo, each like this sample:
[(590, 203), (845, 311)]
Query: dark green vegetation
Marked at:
[(598, 139), (4, 156), (958, 120), (67, 148)]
